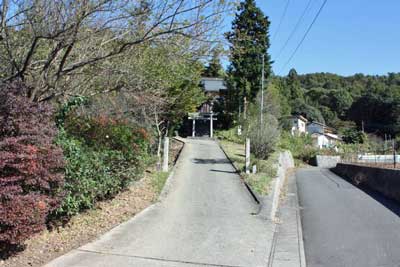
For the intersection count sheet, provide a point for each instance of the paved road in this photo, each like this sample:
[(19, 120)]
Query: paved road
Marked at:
[(345, 226), (205, 220)]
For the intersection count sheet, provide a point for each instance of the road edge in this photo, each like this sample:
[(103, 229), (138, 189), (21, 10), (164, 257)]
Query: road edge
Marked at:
[(289, 229), (169, 182), (254, 195), (302, 252)]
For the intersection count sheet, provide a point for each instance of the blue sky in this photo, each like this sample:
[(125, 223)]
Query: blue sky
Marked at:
[(350, 36)]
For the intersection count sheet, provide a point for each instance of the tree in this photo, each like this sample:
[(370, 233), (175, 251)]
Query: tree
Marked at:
[(60, 48), (311, 113), (294, 87), (340, 101), (249, 42), (364, 99), (214, 68)]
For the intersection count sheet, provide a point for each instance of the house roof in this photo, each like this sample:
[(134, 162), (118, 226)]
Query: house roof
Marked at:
[(333, 136), (212, 84), (323, 125), (328, 135), (298, 117), (318, 123)]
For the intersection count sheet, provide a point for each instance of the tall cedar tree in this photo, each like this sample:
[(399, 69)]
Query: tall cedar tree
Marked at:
[(249, 40), (293, 84), (214, 68)]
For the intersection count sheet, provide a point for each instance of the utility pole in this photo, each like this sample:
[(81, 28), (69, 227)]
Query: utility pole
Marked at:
[(239, 130), (385, 146), (239, 112), (245, 109), (262, 93), (362, 125), (394, 152)]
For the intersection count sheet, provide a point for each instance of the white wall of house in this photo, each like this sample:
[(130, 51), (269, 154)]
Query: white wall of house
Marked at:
[(298, 126), (324, 141)]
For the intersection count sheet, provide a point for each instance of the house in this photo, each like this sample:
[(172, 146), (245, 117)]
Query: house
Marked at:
[(298, 125), (322, 135), (326, 140)]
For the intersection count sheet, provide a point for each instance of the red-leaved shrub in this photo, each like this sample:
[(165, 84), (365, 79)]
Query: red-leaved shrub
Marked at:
[(31, 166)]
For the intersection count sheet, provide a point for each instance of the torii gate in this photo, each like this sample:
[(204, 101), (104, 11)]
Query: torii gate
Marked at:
[(202, 116)]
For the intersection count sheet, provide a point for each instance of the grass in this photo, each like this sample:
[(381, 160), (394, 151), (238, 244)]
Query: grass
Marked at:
[(229, 135), (266, 169), (158, 180)]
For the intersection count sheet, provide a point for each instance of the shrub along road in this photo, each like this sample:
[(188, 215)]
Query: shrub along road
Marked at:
[(345, 226), (206, 219)]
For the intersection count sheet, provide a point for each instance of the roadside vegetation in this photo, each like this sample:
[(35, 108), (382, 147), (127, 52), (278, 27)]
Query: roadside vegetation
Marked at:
[(89, 90), (158, 180), (266, 168)]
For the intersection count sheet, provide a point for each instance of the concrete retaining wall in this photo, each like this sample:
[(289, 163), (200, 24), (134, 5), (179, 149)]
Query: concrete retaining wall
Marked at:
[(385, 181), (327, 161)]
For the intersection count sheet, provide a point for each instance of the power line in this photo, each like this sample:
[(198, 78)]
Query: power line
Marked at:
[(305, 35), (281, 20), (295, 28)]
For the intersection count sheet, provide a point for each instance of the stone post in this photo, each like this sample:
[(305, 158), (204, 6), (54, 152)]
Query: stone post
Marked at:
[(193, 127), (211, 125), (247, 155), (166, 157)]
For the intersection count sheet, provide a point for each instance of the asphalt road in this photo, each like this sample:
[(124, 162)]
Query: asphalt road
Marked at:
[(346, 226), (205, 220)]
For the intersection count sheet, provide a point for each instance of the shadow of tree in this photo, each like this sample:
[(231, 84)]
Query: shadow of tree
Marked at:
[(213, 170), (210, 161)]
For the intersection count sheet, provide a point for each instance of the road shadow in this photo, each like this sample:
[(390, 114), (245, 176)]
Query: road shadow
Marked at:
[(213, 170), (390, 204), (210, 161)]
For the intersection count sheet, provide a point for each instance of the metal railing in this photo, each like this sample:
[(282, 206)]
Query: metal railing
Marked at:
[(385, 156)]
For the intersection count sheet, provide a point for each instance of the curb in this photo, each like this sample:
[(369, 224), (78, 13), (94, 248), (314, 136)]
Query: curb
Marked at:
[(299, 227), (256, 198), (300, 259), (281, 178), (168, 183)]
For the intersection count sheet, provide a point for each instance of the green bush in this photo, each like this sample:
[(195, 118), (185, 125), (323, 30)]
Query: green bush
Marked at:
[(105, 133), (230, 135), (263, 138), (102, 158), (300, 146)]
